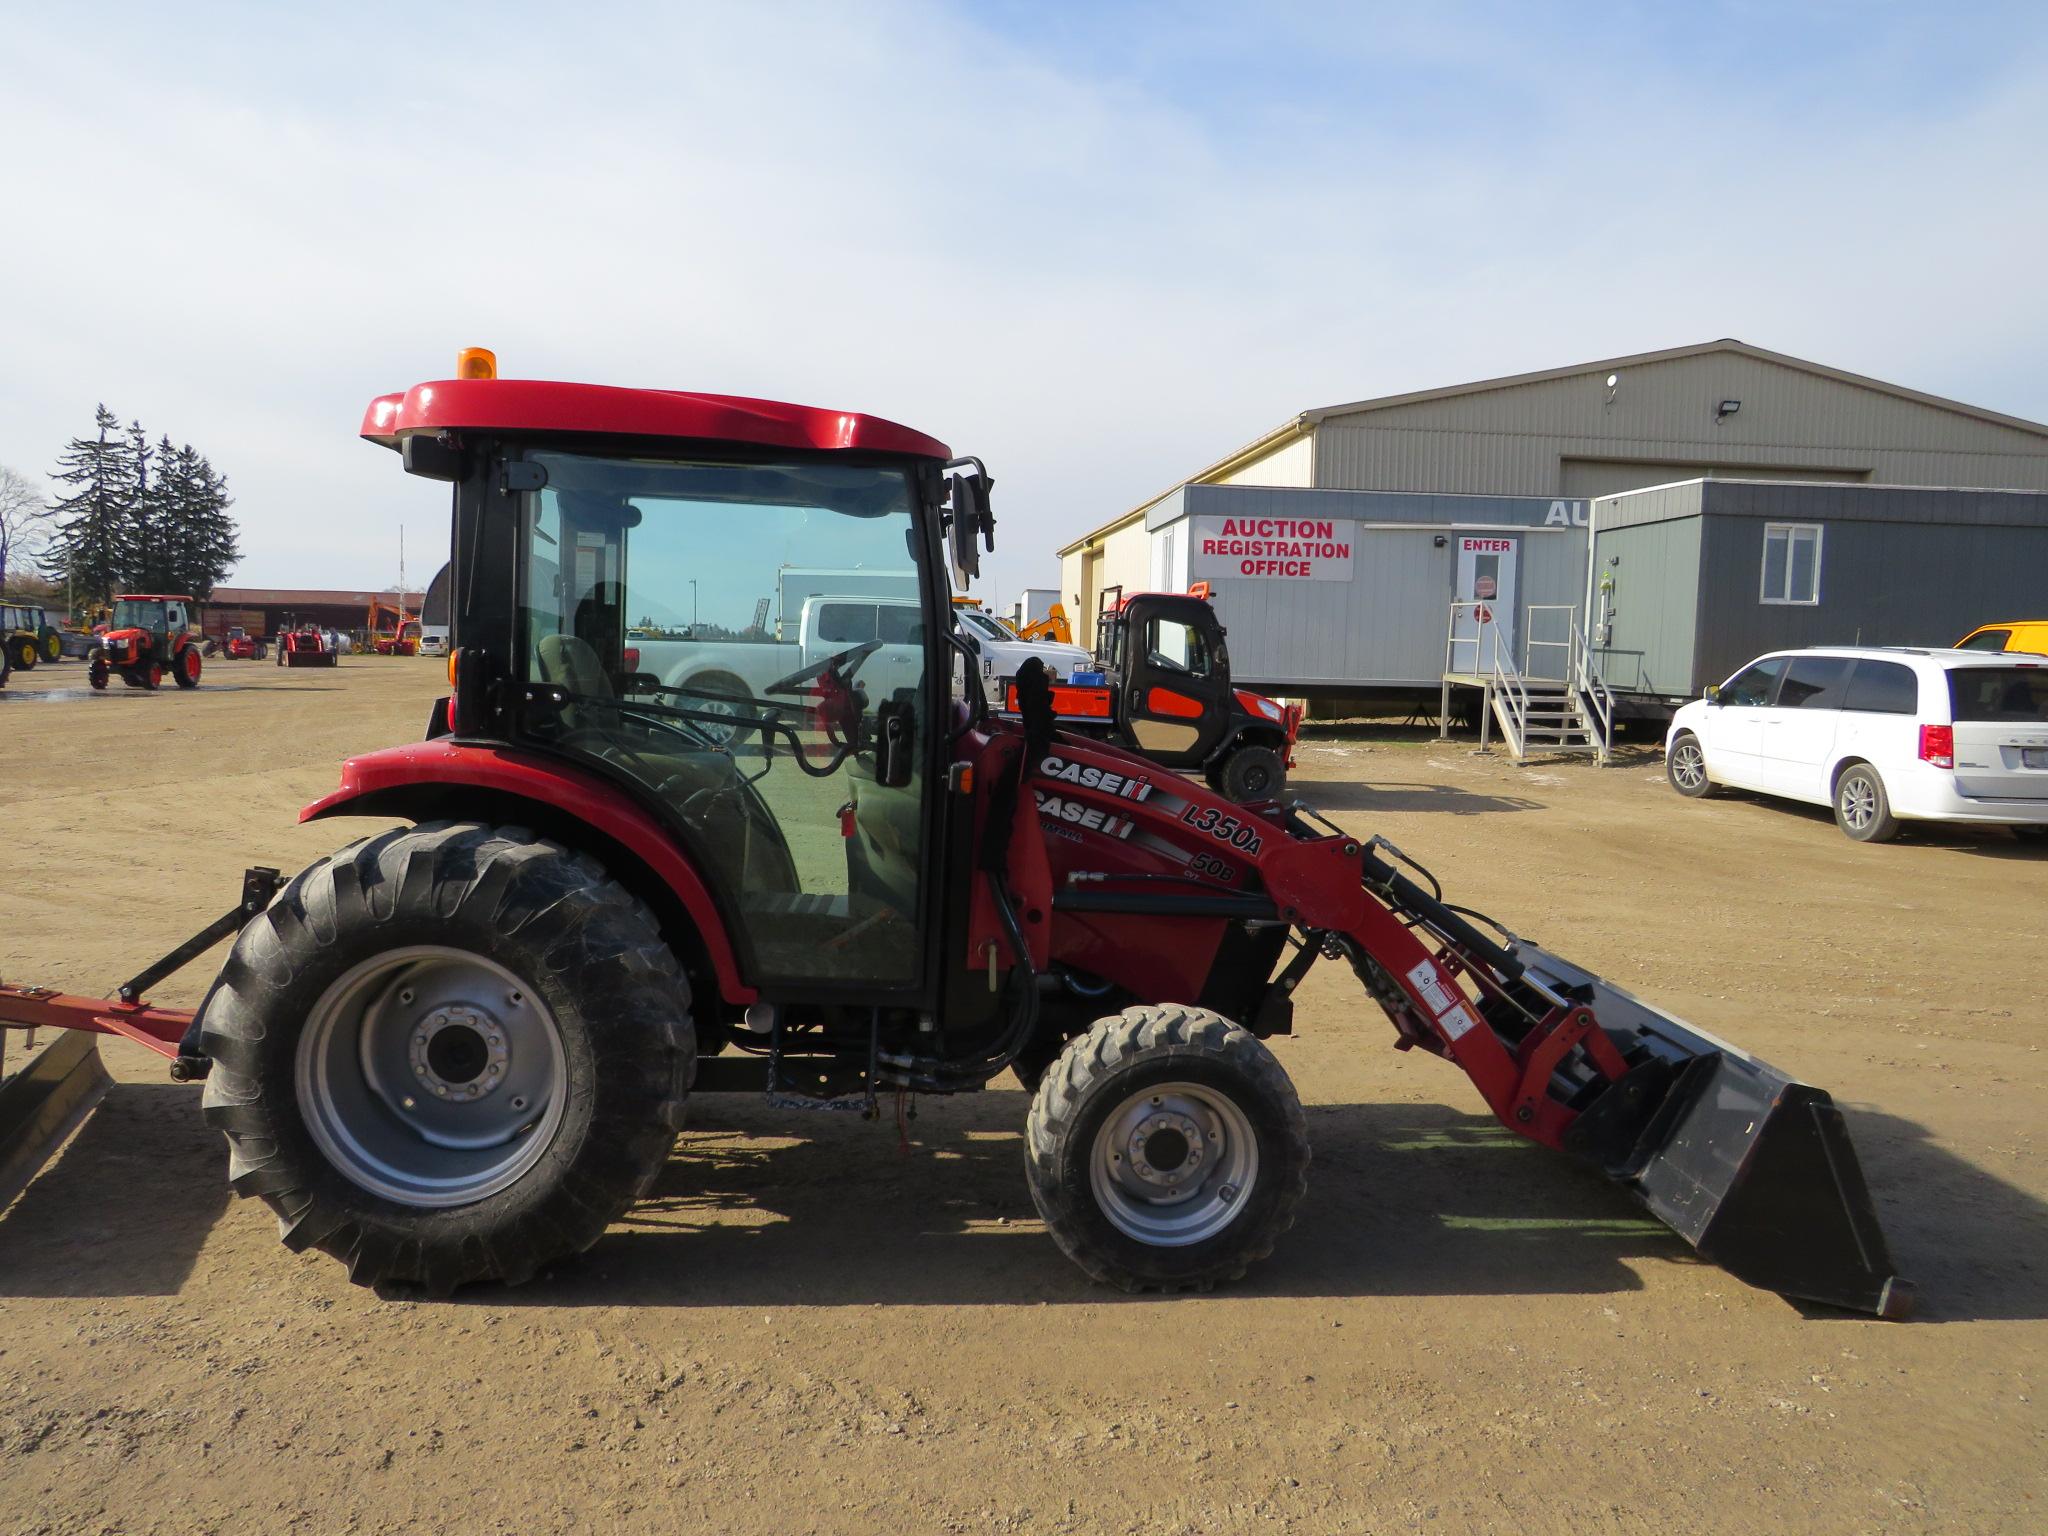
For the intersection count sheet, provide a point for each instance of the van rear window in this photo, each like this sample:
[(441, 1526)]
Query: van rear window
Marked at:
[(1999, 693)]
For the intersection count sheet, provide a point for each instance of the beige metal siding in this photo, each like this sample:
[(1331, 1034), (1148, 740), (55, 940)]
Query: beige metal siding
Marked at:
[(1292, 464), (1515, 440), (1608, 477)]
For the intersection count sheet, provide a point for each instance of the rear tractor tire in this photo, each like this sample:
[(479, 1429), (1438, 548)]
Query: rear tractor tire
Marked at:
[(186, 668), (53, 648), (1166, 1150), (447, 1054)]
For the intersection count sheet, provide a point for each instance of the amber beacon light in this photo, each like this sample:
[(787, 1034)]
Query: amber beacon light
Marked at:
[(476, 363)]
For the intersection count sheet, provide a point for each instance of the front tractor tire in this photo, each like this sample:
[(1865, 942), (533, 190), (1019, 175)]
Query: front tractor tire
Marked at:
[(448, 1054), (1166, 1150), (97, 672), (26, 653)]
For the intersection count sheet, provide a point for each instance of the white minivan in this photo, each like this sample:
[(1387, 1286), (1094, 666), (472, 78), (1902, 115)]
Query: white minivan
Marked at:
[(1883, 735)]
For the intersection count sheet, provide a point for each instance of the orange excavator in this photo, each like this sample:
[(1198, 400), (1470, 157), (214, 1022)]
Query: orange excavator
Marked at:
[(401, 639), (1053, 626)]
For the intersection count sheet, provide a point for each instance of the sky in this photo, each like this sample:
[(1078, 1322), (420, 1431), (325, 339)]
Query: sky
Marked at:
[(1099, 245)]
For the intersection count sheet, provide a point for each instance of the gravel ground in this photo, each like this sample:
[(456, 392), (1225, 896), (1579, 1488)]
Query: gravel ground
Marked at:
[(808, 1328)]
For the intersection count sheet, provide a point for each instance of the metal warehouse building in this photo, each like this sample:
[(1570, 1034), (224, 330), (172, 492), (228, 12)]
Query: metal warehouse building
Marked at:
[(1494, 486)]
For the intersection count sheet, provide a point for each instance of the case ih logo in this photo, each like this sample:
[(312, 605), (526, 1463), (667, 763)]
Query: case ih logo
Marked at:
[(1095, 778), (1094, 818)]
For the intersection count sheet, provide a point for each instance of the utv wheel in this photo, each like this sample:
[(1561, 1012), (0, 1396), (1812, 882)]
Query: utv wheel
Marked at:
[(1166, 1150), (186, 668), (1862, 809), (1685, 765), (1251, 773), (448, 1054)]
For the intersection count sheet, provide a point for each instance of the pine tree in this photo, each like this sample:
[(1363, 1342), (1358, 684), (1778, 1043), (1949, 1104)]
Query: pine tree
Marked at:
[(143, 562), (92, 544), (218, 545)]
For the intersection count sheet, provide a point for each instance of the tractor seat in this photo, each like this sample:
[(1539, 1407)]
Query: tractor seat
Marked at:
[(570, 663)]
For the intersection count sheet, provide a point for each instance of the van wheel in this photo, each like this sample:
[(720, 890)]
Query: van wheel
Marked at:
[(1685, 765), (1862, 809)]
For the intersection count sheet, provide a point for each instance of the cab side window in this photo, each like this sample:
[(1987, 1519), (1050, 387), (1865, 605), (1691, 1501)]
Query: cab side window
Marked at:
[(1986, 640), (1178, 646), (1753, 685)]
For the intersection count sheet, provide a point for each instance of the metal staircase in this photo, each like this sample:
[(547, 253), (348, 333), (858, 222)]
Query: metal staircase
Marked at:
[(1553, 703)]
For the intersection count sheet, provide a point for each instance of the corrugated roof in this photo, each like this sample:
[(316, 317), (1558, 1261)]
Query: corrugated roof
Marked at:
[(1303, 421), (304, 597)]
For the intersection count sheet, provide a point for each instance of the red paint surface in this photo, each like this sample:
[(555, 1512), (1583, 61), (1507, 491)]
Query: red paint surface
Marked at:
[(581, 795), (537, 405)]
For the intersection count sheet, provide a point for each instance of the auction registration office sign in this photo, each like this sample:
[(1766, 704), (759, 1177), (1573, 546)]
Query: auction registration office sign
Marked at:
[(1272, 548)]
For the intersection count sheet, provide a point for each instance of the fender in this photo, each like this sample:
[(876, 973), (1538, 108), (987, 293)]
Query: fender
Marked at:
[(411, 781)]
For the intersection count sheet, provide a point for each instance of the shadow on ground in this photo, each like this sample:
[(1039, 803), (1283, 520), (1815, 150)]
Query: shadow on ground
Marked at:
[(760, 1206), (1384, 795), (123, 1211)]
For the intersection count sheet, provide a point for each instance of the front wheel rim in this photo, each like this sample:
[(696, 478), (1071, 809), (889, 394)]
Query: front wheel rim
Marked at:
[(1174, 1164), (431, 1076), (1688, 767)]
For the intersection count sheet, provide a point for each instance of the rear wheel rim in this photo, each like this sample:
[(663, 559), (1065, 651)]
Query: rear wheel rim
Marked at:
[(1174, 1164), (431, 1076), (1688, 766), (1859, 802)]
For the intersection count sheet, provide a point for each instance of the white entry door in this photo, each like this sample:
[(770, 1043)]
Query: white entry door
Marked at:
[(1486, 575)]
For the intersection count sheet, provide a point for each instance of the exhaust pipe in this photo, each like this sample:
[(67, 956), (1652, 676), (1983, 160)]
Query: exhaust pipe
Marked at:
[(1752, 1168)]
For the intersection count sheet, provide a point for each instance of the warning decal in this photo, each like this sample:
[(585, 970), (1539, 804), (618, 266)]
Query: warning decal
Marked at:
[(1439, 997)]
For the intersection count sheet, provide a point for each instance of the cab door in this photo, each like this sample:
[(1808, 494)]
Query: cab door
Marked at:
[(1175, 694)]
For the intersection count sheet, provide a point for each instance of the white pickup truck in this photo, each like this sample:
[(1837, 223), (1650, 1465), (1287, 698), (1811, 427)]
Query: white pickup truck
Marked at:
[(742, 670), (1000, 653)]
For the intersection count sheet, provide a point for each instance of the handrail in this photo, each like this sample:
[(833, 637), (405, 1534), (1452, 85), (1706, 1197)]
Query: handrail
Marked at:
[(1594, 698), (1569, 644)]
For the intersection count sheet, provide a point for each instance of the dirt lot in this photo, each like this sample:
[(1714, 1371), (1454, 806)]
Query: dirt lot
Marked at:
[(809, 1330)]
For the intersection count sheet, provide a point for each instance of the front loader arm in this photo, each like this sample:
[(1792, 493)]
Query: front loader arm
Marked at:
[(1750, 1166)]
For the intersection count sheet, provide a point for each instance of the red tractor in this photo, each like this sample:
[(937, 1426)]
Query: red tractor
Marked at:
[(240, 645), (458, 1050), (148, 637), (306, 646)]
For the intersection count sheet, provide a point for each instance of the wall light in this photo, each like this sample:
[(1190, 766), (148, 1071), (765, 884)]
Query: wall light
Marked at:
[(1726, 409)]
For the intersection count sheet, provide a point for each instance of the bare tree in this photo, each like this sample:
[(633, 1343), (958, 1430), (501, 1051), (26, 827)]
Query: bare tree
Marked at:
[(26, 518)]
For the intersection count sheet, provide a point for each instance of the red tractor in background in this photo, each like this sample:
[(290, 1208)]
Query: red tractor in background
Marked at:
[(458, 1049), (306, 645), (240, 645), (149, 636)]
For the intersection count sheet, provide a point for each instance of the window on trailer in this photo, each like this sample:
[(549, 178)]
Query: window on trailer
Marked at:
[(1791, 563)]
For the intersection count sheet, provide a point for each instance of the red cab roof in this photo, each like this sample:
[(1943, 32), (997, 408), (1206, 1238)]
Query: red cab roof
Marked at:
[(537, 405), (151, 597)]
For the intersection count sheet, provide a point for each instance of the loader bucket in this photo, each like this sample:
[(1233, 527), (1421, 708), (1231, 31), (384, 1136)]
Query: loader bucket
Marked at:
[(1753, 1169), (43, 1102)]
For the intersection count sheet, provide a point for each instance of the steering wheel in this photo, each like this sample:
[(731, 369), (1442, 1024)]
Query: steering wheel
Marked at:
[(852, 658)]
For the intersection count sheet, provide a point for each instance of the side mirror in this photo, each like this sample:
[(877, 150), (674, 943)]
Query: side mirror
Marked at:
[(973, 526), (1713, 693)]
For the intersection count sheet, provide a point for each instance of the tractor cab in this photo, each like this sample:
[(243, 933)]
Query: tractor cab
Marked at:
[(609, 585)]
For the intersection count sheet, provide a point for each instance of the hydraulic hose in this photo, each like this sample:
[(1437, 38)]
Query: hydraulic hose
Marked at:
[(1406, 896)]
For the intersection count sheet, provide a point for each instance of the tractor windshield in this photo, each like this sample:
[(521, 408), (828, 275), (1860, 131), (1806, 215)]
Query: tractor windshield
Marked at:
[(737, 639), (138, 613)]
